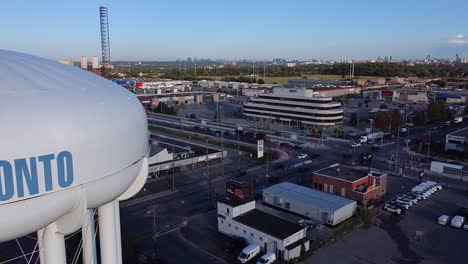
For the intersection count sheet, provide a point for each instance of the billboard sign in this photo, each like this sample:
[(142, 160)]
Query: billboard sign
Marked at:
[(260, 148)]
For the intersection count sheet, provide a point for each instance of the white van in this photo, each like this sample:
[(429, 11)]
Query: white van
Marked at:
[(457, 221), (249, 253), (268, 258), (443, 220)]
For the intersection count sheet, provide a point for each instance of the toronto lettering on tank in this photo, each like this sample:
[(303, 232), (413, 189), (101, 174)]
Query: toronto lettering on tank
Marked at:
[(24, 177)]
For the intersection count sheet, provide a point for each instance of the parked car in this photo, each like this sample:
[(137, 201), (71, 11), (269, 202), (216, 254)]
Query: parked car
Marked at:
[(404, 201), (399, 205), (392, 209), (355, 144), (444, 220), (249, 253), (411, 198), (405, 205), (268, 258), (302, 156), (457, 221)]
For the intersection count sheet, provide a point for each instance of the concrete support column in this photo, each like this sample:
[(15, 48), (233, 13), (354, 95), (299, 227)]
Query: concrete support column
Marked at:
[(88, 233), (54, 245), (109, 233)]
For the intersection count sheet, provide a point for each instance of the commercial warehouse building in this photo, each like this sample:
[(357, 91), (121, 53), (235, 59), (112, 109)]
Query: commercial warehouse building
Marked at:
[(457, 140), (170, 154), (365, 187), (271, 233), (295, 107), (319, 206)]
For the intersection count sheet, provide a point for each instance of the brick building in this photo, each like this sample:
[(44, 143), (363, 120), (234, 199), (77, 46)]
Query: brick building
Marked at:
[(365, 187)]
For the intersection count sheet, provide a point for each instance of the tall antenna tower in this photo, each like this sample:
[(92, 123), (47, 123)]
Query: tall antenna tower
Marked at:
[(105, 45)]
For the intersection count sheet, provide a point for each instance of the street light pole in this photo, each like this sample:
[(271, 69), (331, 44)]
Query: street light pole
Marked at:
[(208, 167), (428, 147), (222, 153), (238, 151), (173, 167)]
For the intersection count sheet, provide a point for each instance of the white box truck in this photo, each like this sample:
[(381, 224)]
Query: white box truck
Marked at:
[(371, 137)]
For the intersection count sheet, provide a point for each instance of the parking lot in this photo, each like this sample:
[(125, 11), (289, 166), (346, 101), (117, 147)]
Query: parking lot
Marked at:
[(394, 239)]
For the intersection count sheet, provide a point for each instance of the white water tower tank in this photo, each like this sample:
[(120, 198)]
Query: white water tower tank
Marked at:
[(68, 139)]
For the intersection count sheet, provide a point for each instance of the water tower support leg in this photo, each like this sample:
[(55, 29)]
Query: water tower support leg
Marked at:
[(108, 233), (40, 234), (89, 239), (54, 245), (119, 233)]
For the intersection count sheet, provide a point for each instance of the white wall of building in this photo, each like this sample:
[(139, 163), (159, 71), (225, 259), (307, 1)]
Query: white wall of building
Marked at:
[(227, 225)]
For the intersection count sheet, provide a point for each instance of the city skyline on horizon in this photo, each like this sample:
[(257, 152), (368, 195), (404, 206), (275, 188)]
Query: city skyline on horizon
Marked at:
[(268, 30)]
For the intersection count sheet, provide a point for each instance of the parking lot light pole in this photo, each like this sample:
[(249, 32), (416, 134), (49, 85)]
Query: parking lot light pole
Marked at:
[(173, 167), (222, 153), (428, 147)]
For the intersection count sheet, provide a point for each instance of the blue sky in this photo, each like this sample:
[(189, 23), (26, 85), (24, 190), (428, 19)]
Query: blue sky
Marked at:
[(262, 29)]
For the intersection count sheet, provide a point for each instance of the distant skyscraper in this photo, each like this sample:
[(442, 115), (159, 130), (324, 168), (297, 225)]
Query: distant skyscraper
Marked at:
[(457, 58), (94, 62), (391, 58), (84, 62), (428, 57)]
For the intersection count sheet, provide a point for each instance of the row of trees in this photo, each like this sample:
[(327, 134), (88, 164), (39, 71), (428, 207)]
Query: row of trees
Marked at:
[(361, 69), (435, 112), (388, 119)]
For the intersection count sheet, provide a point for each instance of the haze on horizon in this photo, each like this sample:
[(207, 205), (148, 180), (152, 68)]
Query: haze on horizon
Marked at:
[(169, 30)]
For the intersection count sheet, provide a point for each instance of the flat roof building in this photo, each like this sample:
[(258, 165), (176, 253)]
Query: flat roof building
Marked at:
[(457, 140), (365, 187), (271, 233), (171, 152), (319, 206), (295, 107)]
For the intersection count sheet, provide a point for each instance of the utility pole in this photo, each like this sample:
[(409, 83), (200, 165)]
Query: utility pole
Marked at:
[(428, 147), (420, 147), (173, 167), (263, 71), (222, 153), (266, 175), (208, 168), (238, 151), (398, 144)]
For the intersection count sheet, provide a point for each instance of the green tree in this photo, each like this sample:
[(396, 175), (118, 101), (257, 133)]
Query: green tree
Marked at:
[(396, 118), (438, 111), (382, 120), (261, 81)]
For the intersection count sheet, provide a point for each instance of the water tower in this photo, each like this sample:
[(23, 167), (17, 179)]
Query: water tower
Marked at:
[(71, 142)]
